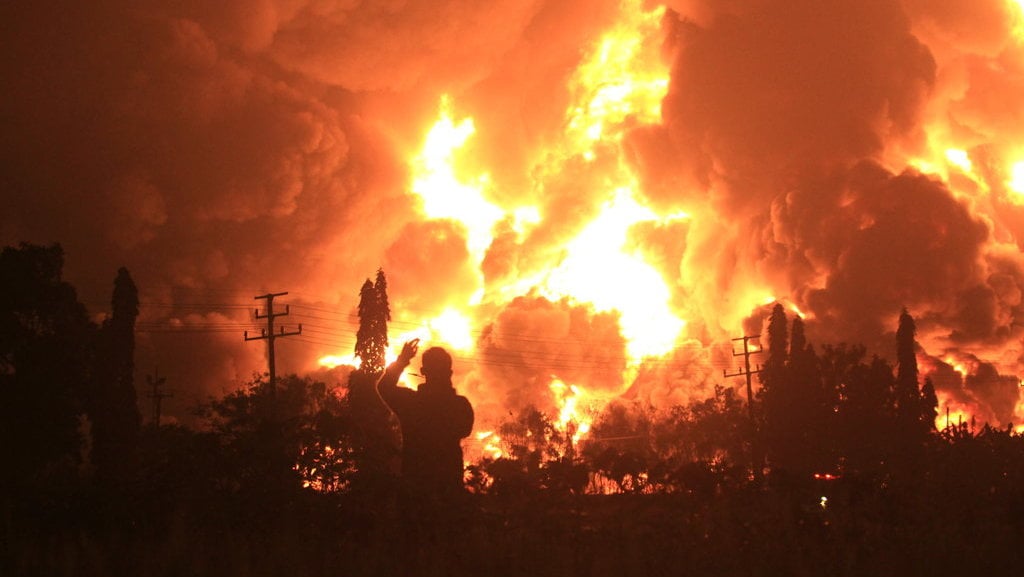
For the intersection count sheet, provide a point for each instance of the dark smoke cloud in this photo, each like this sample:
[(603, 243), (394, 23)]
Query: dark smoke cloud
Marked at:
[(768, 90), (989, 396), (434, 264), (897, 241), (780, 117), (222, 150), (533, 340)]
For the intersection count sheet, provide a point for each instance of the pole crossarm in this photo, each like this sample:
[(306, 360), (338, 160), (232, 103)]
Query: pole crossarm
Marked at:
[(155, 381), (268, 334), (748, 372)]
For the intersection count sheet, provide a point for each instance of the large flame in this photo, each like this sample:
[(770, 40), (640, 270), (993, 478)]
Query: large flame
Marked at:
[(619, 84)]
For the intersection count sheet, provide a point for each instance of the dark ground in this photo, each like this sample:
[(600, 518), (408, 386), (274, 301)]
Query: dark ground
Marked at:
[(745, 531)]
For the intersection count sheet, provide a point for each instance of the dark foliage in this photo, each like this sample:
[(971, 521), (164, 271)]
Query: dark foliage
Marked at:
[(112, 405), (45, 365), (300, 482)]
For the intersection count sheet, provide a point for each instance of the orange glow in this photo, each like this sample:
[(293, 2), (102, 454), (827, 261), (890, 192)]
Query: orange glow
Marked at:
[(960, 159), (1016, 181), (951, 412), (332, 361), (597, 271), (612, 83), (618, 86), (620, 82), (446, 193), (1018, 26), (490, 444), (620, 78), (571, 420), (957, 366)]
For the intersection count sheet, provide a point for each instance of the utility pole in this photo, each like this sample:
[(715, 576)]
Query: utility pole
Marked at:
[(269, 335), (748, 372), (155, 381)]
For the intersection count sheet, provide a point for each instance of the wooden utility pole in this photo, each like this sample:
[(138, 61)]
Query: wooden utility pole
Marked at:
[(269, 335), (155, 381), (755, 456)]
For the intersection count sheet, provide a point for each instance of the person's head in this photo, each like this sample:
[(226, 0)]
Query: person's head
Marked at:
[(437, 364)]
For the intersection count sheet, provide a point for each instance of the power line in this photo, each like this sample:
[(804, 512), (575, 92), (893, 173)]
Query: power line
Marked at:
[(755, 455), (268, 334), (156, 381)]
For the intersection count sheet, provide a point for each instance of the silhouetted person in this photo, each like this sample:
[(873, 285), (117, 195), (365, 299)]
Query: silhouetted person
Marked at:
[(434, 420)]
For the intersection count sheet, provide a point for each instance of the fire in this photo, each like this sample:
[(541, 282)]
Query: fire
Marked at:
[(444, 192), (598, 271), (570, 419), (620, 82), (450, 329), (957, 366), (490, 444), (951, 412), (620, 79), (1016, 181), (612, 84), (960, 159), (618, 85), (332, 361), (1018, 26)]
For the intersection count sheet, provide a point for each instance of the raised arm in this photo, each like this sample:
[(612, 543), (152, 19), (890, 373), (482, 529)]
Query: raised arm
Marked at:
[(388, 383)]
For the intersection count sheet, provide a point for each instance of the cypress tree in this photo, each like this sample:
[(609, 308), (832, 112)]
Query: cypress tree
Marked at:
[(380, 287), (113, 409), (929, 405), (907, 391), (778, 402), (374, 314)]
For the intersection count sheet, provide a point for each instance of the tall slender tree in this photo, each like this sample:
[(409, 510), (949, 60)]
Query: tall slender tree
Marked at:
[(929, 405), (374, 314), (907, 392), (113, 408), (779, 400), (380, 286), (778, 345), (814, 404), (912, 425), (377, 428)]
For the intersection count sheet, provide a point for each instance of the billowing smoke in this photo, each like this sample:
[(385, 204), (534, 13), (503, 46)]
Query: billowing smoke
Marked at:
[(850, 158)]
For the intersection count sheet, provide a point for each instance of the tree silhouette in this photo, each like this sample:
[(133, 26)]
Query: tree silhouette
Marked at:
[(622, 446), (816, 404), (908, 404), (112, 405), (784, 404), (44, 357), (374, 314), (914, 407), (929, 405), (863, 425), (376, 426)]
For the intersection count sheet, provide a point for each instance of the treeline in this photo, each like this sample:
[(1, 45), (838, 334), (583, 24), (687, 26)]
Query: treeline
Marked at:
[(835, 418), (841, 451), (70, 411), (67, 382)]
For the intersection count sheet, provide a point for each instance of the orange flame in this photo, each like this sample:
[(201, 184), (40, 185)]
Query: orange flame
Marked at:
[(619, 83), (570, 418)]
